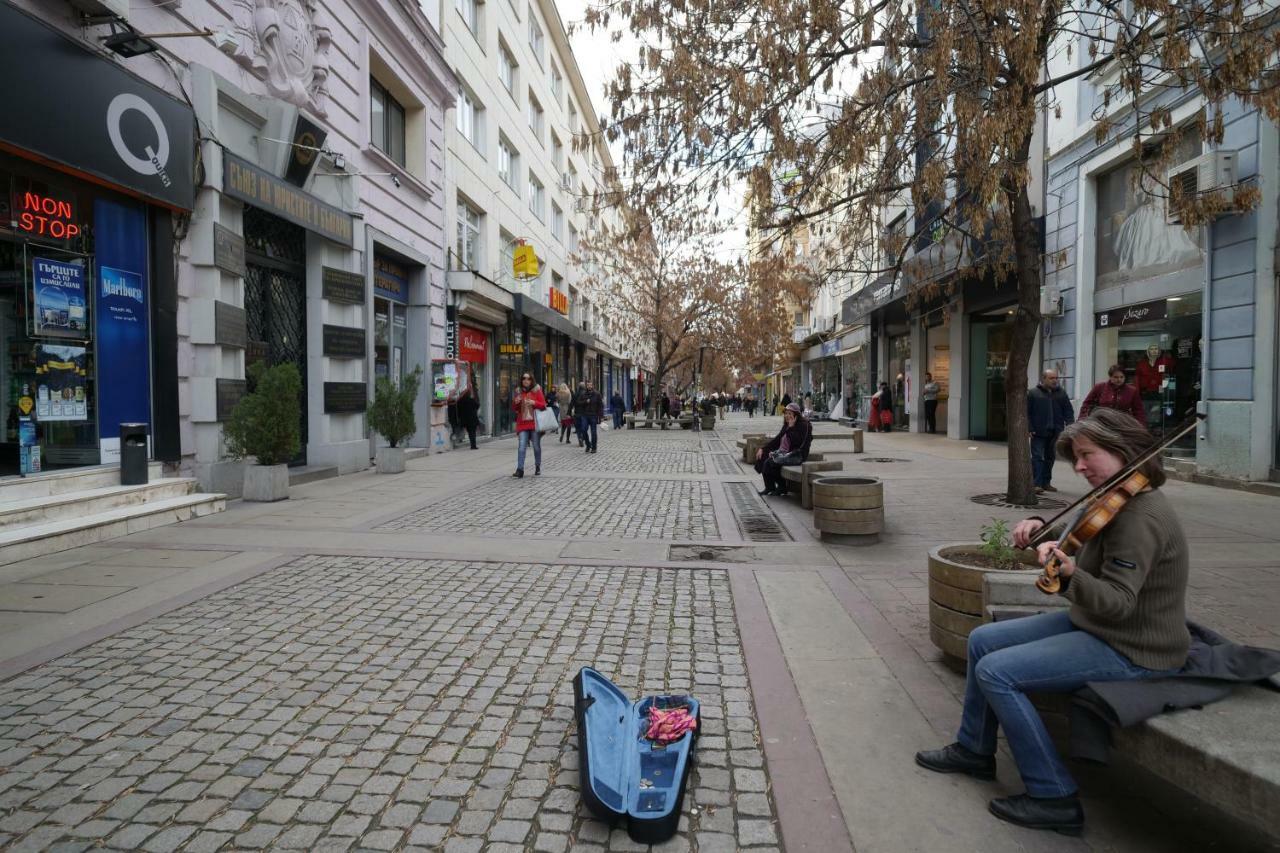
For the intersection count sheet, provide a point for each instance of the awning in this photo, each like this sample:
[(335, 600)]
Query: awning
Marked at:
[(551, 319)]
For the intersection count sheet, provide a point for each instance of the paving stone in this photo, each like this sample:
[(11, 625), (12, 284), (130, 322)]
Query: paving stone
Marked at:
[(753, 781), (259, 836), (752, 833), (168, 839)]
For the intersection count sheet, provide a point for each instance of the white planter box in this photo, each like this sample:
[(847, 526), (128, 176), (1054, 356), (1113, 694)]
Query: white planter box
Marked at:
[(390, 460), (266, 483)]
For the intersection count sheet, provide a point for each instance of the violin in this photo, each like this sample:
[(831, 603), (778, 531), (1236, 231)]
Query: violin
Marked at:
[(1099, 508)]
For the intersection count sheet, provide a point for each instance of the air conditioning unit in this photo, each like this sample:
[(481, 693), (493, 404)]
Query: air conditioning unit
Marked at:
[(1050, 301), (1211, 172)]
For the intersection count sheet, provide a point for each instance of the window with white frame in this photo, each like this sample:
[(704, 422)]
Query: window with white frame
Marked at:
[(507, 67), (386, 121), (537, 42), (470, 119), (573, 179), (508, 164), (573, 239), (557, 222), (557, 152), (471, 13), (537, 117), (557, 82), (467, 246), (573, 118), (537, 198)]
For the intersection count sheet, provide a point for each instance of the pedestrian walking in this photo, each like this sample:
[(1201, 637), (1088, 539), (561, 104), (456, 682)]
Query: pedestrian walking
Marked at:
[(526, 401), (565, 396), (774, 407), (1049, 412), (589, 408), (469, 411), (616, 405), (882, 409), (789, 447), (673, 403), (664, 404), (1127, 587), (786, 401), (1115, 393), (930, 394)]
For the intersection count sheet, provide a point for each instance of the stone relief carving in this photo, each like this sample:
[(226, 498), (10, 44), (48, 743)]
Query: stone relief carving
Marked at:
[(286, 44)]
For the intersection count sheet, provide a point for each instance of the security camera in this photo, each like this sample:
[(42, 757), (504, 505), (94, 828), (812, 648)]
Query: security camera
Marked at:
[(339, 162), (395, 181), (226, 41)]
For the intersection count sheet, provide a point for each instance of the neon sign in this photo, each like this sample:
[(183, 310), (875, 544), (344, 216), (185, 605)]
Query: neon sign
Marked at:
[(47, 217), (559, 301)]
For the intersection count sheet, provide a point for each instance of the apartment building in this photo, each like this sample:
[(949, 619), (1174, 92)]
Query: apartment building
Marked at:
[(525, 160)]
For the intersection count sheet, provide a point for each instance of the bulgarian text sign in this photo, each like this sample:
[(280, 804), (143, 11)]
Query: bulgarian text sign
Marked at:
[(61, 309)]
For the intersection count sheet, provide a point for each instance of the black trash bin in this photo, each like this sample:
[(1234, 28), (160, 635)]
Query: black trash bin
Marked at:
[(133, 454)]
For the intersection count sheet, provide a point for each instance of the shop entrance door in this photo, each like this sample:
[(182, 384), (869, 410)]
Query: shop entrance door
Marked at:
[(275, 298)]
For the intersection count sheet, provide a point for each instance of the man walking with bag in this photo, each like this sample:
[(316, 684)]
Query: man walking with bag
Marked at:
[(589, 407), (1048, 413)]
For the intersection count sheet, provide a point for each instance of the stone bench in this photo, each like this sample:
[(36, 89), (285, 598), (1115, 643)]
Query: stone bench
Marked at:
[(631, 420), (1226, 754), (804, 474), (685, 422)]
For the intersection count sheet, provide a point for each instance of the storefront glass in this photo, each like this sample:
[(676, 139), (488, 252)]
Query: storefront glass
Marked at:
[(857, 390), (390, 326), (938, 353), (74, 290), (473, 348), (990, 339), (1160, 357), (508, 366), (899, 371)]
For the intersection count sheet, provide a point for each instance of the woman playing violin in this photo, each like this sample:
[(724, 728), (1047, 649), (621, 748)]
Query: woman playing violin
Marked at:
[(1127, 621)]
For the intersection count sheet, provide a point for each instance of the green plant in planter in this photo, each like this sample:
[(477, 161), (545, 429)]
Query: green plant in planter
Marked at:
[(997, 545), (265, 423), (391, 414)]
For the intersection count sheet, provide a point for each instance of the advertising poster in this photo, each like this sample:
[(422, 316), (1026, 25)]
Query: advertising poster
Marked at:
[(61, 307), (29, 450), (448, 380), (61, 383)]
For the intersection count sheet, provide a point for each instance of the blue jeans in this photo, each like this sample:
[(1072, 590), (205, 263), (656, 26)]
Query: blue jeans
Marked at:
[(1045, 654), (1043, 455), (587, 430), (526, 436), (617, 418)]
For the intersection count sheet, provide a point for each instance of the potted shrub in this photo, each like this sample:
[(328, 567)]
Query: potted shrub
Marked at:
[(391, 416), (956, 573), (264, 427)]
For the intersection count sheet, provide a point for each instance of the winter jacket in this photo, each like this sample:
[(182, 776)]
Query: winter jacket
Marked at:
[(1125, 399), (1048, 411), (524, 404), (469, 409), (588, 404), (801, 434)]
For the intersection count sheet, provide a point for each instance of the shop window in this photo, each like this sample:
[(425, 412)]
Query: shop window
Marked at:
[(1134, 241), (390, 326), (386, 120)]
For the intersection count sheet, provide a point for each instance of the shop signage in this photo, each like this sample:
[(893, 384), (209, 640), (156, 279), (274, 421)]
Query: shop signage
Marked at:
[(450, 331), (129, 133), (228, 250), (559, 300), (60, 299), (228, 393), (342, 342), (308, 139), (390, 279), (44, 216), (1130, 314), (546, 358), (345, 397), (229, 325), (342, 286), (473, 345), (511, 349), (121, 316), (61, 393), (830, 347), (245, 181), (524, 261)]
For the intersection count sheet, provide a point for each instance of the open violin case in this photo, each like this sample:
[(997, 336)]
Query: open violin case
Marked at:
[(624, 774)]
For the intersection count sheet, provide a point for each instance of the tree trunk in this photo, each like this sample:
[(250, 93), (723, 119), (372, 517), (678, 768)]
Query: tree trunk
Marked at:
[(1026, 324)]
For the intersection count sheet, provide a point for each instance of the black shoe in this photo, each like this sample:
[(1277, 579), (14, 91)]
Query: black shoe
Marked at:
[(519, 473), (1061, 814), (956, 759), (537, 471), (767, 493)]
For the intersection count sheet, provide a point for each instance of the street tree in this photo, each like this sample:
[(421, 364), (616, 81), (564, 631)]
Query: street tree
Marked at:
[(929, 106)]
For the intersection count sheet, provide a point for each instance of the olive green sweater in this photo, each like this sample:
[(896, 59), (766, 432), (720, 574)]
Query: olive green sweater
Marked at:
[(1130, 584)]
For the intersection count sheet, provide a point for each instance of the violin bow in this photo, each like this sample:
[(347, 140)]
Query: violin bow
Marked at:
[(1155, 450)]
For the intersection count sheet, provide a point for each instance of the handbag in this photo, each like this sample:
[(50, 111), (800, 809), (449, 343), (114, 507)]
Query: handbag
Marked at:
[(791, 457), (545, 420)]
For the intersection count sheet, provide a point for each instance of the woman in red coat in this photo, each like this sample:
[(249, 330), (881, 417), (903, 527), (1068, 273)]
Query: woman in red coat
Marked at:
[(1115, 394), (526, 401)]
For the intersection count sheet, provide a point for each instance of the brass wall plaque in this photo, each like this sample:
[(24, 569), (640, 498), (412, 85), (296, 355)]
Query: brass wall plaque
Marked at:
[(229, 326), (345, 397), (229, 392), (342, 286), (343, 342)]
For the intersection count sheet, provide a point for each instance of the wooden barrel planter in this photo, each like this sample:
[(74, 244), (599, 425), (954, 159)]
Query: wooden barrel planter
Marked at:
[(848, 510), (955, 595)]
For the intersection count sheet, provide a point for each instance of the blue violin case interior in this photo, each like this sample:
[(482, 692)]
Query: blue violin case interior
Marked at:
[(623, 774)]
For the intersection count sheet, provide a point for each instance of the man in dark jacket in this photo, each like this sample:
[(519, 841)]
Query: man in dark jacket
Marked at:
[(617, 404), (1048, 412), (588, 406)]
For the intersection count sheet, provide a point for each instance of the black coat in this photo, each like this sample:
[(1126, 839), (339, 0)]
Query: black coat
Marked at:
[(801, 433), (1215, 666), (588, 404), (469, 411)]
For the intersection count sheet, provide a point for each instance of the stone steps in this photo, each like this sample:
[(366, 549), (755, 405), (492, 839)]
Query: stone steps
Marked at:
[(61, 482), (85, 502), (34, 540)]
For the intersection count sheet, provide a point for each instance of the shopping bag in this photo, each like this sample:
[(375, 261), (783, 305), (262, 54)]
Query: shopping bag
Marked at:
[(545, 419)]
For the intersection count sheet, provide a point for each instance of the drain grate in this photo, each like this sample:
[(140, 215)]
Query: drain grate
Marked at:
[(756, 521), (725, 464), (714, 444), (1002, 499), (883, 459), (713, 553)]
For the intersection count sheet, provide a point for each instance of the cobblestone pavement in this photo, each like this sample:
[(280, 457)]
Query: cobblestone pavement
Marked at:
[(548, 506), (627, 441), (627, 461), (383, 704)]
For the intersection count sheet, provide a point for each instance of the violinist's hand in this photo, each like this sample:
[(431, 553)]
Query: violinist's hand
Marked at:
[(1024, 530), (1048, 550)]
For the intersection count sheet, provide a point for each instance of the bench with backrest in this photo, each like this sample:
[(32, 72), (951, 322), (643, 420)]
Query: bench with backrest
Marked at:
[(1226, 754)]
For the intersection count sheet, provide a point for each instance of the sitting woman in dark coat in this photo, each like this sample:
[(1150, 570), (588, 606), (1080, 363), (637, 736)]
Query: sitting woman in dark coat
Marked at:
[(794, 438)]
